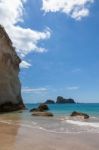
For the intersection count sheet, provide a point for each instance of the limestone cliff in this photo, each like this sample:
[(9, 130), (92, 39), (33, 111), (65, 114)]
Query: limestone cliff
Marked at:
[(10, 87)]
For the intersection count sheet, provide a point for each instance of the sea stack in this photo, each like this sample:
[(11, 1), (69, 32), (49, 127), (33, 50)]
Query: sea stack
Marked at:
[(10, 87), (61, 100)]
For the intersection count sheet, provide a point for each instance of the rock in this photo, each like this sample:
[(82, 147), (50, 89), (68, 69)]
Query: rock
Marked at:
[(34, 109), (20, 111), (9, 106), (49, 102), (46, 114), (41, 108), (86, 116), (10, 86), (61, 100)]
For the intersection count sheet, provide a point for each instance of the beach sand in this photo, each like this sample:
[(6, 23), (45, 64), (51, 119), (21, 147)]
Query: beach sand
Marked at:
[(18, 137)]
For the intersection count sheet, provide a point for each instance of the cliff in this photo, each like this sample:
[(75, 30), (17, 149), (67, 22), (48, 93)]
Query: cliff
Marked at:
[(10, 87)]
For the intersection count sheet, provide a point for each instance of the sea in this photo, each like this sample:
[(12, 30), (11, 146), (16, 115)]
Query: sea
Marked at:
[(61, 122)]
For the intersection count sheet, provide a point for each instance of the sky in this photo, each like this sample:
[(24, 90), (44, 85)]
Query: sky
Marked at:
[(58, 42)]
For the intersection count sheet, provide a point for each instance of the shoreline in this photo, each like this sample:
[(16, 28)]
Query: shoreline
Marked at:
[(22, 138), (22, 131)]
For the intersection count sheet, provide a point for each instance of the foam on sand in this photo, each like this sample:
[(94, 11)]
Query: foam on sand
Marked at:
[(82, 123)]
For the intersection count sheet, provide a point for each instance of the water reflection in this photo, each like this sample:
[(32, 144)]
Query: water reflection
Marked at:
[(10, 130)]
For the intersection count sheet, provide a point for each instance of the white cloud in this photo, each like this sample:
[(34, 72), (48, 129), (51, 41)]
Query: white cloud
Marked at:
[(34, 90), (76, 9), (72, 88), (24, 39), (25, 64)]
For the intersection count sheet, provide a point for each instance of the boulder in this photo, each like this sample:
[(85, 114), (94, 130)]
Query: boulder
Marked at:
[(41, 108), (45, 114), (75, 113), (49, 102), (61, 100)]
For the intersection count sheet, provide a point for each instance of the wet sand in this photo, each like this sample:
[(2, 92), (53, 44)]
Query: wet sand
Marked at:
[(17, 137)]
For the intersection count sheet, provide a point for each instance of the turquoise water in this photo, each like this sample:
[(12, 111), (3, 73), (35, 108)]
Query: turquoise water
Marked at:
[(66, 109), (60, 123)]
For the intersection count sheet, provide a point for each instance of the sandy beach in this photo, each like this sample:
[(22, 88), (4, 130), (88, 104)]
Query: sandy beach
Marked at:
[(20, 137), (49, 74)]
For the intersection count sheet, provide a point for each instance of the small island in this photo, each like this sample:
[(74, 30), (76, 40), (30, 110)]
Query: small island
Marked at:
[(49, 101), (60, 100)]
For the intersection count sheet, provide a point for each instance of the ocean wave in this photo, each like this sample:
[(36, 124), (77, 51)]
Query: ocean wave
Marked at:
[(82, 123), (61, 129)]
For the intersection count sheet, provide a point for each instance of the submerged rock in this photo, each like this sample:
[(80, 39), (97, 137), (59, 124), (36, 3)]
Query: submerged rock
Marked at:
[(75, 113), (46, 114), (61, 100), (10, 86), (34, 109)]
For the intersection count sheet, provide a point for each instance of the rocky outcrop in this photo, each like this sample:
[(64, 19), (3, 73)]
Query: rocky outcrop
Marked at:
[(49, 102), (75, 113), (41, 108), (10, 87), (44, 114), (41, 111), (61, 100)]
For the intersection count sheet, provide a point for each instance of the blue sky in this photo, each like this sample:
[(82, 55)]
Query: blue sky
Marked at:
[(63, 58)]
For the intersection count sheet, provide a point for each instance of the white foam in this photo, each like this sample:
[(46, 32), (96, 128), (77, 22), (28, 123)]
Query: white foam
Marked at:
[(81, 123), (5, 122), (34, 125)]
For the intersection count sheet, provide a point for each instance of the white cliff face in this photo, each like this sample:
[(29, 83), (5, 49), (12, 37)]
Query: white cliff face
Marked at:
[(10, 87)]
